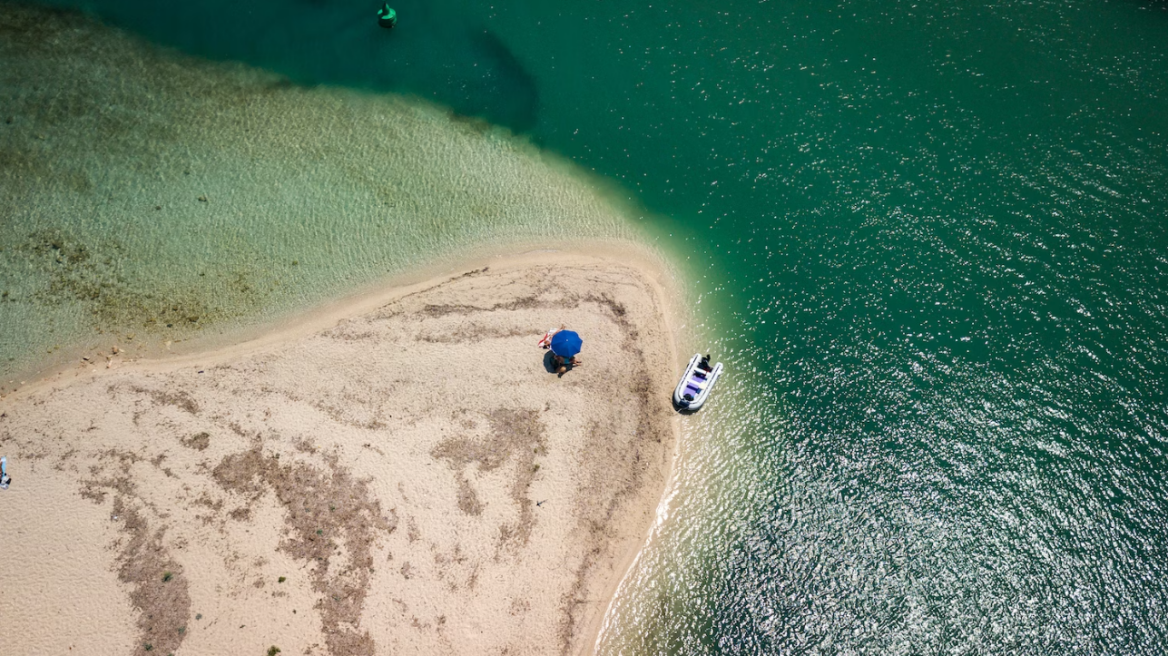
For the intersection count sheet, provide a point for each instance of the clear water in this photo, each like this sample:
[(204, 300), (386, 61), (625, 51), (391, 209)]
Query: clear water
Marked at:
[(147, 198), (934, 238)]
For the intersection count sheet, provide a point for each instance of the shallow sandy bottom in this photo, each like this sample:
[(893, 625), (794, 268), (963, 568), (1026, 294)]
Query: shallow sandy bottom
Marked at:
[(147, 197), (407, 477)]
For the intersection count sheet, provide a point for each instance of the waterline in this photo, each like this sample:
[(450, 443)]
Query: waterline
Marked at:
[(153, 198)]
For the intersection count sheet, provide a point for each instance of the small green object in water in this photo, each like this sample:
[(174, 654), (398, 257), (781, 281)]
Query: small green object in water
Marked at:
[(386, 16)]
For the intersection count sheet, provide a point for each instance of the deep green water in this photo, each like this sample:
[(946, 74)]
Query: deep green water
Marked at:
[(935, 239)]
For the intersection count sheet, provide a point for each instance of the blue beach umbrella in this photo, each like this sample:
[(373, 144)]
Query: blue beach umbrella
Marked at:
[(566, 343)]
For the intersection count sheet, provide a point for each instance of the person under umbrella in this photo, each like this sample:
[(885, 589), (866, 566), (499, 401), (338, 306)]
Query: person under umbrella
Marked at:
[(565, 345)]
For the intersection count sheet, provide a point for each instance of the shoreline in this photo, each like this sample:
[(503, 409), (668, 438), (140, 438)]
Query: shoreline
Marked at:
[(598, 572), (251, 333), (246, 208)]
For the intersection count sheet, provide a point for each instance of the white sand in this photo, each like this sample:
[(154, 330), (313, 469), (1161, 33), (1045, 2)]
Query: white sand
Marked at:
[(407, 462)]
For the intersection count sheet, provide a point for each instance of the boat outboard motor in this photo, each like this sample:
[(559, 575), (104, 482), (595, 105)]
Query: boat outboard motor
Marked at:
[(386, 17)]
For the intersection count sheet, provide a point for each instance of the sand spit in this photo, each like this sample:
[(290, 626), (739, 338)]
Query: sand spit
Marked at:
[(406, 478)]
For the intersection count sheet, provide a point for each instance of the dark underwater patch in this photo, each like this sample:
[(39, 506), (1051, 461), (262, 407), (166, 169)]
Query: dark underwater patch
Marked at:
[(439, 52)]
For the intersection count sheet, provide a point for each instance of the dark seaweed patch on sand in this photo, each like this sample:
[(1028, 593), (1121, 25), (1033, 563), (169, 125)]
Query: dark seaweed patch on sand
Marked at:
[(517, 434), (326, 509), (198, 441), (159, 590)]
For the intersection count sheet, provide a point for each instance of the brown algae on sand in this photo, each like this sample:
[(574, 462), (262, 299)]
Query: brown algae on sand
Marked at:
[(324, 511)]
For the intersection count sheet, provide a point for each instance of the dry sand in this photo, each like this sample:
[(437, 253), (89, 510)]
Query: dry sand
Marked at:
[(403, 475)]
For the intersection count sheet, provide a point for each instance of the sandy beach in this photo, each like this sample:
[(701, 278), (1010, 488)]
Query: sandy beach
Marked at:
[(400, 474)]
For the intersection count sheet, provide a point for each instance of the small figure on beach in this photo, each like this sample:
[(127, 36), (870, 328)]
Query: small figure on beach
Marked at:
[(565, 345), (5, 479), (563, 363)]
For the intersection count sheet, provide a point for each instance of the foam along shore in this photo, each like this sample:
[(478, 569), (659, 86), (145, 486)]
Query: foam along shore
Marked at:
[(405, 475)]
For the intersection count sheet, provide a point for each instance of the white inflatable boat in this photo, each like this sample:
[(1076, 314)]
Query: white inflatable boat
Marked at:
[(696, 383)]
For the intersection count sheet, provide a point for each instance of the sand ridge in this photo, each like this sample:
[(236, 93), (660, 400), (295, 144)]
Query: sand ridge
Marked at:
[(411, 478)]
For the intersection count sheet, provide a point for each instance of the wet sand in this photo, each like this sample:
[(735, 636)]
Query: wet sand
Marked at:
[(398, 474)]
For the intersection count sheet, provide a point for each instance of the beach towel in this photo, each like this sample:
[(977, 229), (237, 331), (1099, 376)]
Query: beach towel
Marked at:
[(546, 340)]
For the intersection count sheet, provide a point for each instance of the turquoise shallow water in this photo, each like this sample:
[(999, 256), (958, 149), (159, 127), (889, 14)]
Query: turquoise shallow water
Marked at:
[(935, 238)]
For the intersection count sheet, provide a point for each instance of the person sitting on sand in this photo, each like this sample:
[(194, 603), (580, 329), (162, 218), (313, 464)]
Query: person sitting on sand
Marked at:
[(562, 363)]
